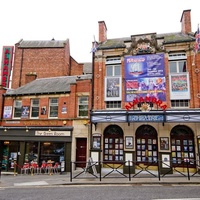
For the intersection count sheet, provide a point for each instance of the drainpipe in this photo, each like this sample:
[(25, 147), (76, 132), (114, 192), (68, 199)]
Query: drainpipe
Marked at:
[(20, 75)]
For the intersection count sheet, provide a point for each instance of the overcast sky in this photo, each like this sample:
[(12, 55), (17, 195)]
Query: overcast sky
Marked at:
[(77, 20)]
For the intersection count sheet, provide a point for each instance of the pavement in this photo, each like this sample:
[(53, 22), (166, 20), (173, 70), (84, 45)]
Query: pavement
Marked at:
[(58, 179)]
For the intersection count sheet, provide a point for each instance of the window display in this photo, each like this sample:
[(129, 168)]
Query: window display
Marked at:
[(146, 149)]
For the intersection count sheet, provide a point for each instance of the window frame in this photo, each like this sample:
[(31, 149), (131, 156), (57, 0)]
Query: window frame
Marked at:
[(51, 106), (33, 106), (84, 110), (178, 102), (17, 107)]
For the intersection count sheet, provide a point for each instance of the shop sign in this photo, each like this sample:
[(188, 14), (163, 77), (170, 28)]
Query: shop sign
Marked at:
[(52, 133), (6, 67), (146, 118), (146, 99)]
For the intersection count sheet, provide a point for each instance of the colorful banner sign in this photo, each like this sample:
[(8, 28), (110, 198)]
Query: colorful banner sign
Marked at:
[(144, 66), (145, 77)]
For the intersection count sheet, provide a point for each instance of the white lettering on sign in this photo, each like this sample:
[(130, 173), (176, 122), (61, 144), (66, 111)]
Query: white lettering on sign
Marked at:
[(52, 133)]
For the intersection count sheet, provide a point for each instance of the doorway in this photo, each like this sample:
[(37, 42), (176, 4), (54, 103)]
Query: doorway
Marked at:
[(81, 149)]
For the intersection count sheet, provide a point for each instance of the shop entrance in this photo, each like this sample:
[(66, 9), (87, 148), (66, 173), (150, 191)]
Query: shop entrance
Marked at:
[(10, 154), (81, 148), (113, 144), (146, 144), (182, 146)]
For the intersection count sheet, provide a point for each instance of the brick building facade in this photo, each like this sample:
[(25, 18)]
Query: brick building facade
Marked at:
[(47, 107), (146, 98)]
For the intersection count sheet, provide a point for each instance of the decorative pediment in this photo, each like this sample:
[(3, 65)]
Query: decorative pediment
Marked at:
[(142, 44)]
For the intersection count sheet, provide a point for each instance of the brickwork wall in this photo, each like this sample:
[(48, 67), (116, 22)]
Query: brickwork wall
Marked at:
[(44, 62), (68, 101)]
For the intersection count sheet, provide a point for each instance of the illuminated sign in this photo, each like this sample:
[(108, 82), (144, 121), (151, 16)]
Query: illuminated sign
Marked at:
[(146, 99), (6, 66)]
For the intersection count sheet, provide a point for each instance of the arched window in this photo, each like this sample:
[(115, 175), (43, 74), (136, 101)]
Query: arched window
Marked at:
[(146, 144), (113, 144), (182, 145)]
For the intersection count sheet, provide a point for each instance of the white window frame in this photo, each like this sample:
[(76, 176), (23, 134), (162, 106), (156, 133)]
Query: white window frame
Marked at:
[(17, 105), (53, 105), (177, 58), (83, 105), (37, 106), (113, 63)]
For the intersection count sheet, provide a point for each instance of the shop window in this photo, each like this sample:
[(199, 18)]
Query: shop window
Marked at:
[(182, 146), (17, 108), (53, 107), (113, 144), (83, 106), (52, 151), (31, 152), (35, 108), (146, 144), (10, 154)]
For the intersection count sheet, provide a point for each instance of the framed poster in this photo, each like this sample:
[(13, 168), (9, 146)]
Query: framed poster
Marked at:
[(113, 89), (129, 142), (7, 113), (179, 86), (164, 143)]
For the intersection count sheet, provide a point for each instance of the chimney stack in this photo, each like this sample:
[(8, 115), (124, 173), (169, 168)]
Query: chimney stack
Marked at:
[(186, 22), (102, 32)]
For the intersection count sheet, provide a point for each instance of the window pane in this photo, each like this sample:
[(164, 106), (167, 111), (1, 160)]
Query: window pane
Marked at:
[(83, 106), (53, 111), (182, 66), (17, 108), (35, 112), (109, 71), (53, 107), (117, 70), (17, 112), (172, 67), (34, 107)]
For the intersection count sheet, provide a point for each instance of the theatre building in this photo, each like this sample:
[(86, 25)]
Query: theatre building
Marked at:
[(146, 98), (44, 110)]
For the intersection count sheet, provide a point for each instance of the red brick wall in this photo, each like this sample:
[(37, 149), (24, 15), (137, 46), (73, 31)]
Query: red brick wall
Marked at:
[(186, 22), (76, 68), (46, 62)]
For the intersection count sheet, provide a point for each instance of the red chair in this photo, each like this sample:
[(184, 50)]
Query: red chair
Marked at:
[(55, 168), (25, 168), (43, 167), (34, 168)]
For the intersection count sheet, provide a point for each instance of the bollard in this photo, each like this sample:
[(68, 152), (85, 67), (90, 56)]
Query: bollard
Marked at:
[(0, 168), (15, 168)]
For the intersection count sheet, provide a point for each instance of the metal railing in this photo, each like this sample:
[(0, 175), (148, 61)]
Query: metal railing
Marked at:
[(133, 169)]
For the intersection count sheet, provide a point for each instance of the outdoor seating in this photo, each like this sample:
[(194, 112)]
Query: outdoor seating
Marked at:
[(25, 168), (55, 167), (34, 168), (50, 167), (43, 167)]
